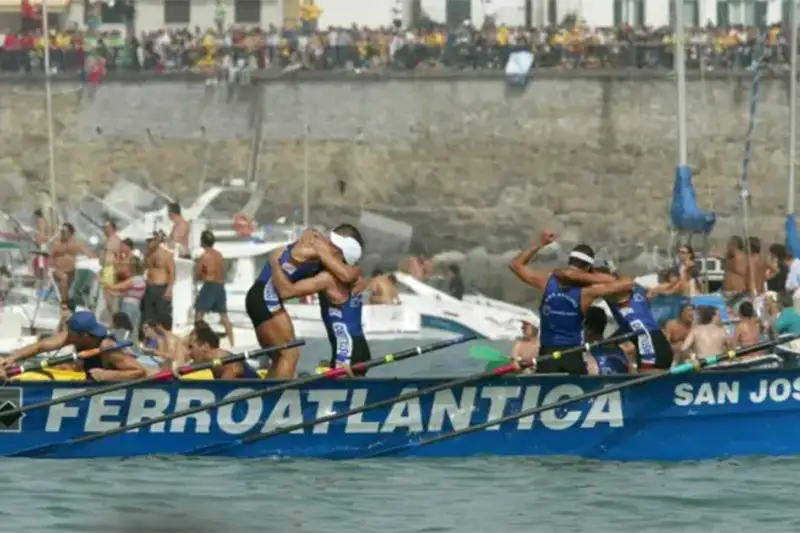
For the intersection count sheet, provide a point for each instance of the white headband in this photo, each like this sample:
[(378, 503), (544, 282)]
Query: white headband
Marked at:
[(350, 248), (580, 256)]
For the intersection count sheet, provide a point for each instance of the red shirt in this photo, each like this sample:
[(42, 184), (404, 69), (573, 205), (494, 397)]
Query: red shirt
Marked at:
[(11, 42), (27, 42)]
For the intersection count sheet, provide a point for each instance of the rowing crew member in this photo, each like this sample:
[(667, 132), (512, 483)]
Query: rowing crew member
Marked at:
[(631, 310), (563, 304), (300, 260), (204, 348), (606, 359), (83, 332), (340, 304)]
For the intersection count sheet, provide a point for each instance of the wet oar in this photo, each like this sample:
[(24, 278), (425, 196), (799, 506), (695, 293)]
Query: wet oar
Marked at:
[(499, 371), (647, 378), (162, 375), (330, 374), (56, 360)]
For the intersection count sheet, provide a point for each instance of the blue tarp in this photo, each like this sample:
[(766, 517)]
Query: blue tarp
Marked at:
[(792, 236), (666, 308), (685, 214)]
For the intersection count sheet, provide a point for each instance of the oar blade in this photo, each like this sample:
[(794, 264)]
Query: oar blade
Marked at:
[(488, 354)]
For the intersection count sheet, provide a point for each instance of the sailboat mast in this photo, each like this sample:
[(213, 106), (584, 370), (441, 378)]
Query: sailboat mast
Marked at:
[(792, 110), (680, 74), (51, 153)]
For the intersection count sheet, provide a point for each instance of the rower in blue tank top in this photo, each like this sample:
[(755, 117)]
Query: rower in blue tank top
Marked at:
[(564, 303), (343, 324), (631, 310), (204, 348), (300, 261), (341, 304), (608, 359)]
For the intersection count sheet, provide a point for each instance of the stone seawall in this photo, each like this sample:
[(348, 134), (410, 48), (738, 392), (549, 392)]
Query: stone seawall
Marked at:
[(464, 162)]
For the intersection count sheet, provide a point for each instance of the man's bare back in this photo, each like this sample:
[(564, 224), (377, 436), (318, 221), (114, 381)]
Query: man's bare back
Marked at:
[(382, 291), (735, 272), (748, 332), (211, 266), (706, 340)]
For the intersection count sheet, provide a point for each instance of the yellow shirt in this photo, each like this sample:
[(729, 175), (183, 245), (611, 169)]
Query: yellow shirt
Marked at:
[(502, 36), (310, 12)]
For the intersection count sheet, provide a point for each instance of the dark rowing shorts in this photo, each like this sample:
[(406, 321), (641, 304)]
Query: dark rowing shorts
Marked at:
[(262, 302), (571, 363), (350, 350), (662, 360), (156, 308), (211, 298)]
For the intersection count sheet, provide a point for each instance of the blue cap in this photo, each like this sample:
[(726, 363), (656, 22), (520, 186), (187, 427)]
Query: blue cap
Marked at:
[(86, 322)]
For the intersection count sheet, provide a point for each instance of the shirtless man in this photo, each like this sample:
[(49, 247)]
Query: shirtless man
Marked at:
[(63, 253), (383, 289), (84, 333), (179, 236), (736, 267), (757, 268), (526, 348), (210, 269), (111, 252), (157, 299), (302, 259), (677, 329), (41, 237), (748, 330), (708, 338)]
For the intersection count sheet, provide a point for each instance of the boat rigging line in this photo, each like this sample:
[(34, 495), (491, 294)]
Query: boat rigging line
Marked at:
[(499, 371), (683, 368)]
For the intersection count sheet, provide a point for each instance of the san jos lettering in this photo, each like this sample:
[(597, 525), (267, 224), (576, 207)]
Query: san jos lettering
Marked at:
[(720, 393), (443, 411)]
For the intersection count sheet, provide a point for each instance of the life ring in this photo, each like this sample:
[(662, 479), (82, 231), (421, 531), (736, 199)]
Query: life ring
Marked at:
[(243, 225)]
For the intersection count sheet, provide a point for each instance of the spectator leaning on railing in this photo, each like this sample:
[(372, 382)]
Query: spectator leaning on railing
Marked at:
[(430, 45)]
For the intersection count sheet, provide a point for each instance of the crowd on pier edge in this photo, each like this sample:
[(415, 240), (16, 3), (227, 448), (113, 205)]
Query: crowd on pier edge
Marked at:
[(429, 45)]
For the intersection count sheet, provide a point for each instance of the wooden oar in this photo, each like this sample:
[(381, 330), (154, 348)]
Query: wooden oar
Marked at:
[(290, 384), (499, 371), (62, 359), (647, 378), (161, 375)]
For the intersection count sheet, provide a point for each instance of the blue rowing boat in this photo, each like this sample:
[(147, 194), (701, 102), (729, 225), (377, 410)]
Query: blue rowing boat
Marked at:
[(709, 415)]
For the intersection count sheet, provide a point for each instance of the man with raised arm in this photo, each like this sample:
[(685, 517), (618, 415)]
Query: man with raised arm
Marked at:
[(563, 304), (83, 332)]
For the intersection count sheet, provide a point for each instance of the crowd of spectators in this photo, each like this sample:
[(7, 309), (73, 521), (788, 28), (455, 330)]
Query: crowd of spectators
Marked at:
[(570, 46)]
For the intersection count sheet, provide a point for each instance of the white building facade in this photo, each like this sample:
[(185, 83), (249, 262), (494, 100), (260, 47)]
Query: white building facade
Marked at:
[(157, 14)]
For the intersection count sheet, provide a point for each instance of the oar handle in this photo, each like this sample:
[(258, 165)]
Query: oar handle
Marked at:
[(699, 364), (165, 375), (64, 358)]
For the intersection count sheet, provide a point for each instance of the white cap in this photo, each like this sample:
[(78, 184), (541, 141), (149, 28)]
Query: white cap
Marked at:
[(350, 248)]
